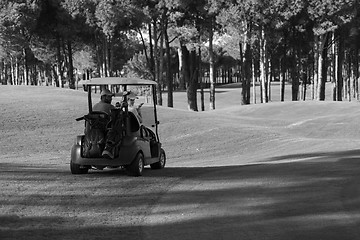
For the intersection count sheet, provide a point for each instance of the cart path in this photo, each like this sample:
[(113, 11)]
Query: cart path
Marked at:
[(45, 201), (281, 198), (302, 199)]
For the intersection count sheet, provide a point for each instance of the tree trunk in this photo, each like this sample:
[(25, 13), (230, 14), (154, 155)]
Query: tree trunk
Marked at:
[(70, 66), (111, 57), (151, 48), (98, 58), (193, 80), (185, 71), (145, 48), (169, 75), (189, 74), (334, 67), (269, 78), (161, 56), (54, 76), (315, 82), (262, 66), (156, 62), (294, 76), (58, 73), (242, 74), (253, 81), (212, 66), (282, 77), (2, 71), (181, 80), (155, 52), (7, 78), (246, 63), (201, 82), (283, 69), (58, 83), (248, 72), (104, 58), (17, 71), (304, 83), (26, 68), (322, 67), (12, 71), (356, 74), (348, 78)]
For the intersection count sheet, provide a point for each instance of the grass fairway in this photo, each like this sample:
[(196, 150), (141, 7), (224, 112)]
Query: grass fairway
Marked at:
[(282, 170)]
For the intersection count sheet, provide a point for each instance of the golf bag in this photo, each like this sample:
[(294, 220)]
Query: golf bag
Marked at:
[(115, 133), (95, 132)]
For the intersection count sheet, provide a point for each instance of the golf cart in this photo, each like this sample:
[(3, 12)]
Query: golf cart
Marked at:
[(136, 142)]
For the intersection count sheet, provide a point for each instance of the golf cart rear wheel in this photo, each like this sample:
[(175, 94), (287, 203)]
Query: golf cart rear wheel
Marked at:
[(136, 168), (162, 161), (77, 169)]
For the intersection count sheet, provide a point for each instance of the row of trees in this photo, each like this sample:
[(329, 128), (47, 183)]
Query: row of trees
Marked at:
[(177, 42)]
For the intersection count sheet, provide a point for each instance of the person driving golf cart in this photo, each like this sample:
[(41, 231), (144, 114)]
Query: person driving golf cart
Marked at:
[(104, 105)]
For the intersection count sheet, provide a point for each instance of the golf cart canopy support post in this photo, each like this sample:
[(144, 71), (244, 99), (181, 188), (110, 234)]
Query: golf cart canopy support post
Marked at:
[(89, 98), (155, 114)]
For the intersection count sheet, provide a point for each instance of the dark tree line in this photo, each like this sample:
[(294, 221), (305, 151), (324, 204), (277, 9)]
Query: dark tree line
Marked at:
[(179, 43)]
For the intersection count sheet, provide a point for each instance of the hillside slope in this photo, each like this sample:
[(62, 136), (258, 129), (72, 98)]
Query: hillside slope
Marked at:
[(38, 119), (267, 171)]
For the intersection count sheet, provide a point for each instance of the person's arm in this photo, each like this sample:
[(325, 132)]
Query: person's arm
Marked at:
[(139, 109)]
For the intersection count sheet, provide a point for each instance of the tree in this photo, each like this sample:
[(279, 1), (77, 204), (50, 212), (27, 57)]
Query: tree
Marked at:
[(329, 16), (17, 22), (42, 41), (114, 18), (185, 17)]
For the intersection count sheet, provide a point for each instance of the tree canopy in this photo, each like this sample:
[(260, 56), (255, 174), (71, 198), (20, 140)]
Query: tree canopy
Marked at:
[(185, 44)]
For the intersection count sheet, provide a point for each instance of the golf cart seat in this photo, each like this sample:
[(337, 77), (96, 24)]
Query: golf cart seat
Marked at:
[(95, 119), (133, 124)]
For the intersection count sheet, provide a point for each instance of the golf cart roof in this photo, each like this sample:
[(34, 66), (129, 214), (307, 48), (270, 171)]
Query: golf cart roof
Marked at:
[(119, 81)]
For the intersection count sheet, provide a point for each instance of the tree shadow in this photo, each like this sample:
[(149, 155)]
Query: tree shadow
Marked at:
[(338, 155), (40, 228), (314, 199)]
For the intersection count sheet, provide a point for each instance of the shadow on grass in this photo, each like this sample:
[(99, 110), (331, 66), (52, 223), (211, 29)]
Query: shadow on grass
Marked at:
[(39, 228), (321, 155), (316, 199)]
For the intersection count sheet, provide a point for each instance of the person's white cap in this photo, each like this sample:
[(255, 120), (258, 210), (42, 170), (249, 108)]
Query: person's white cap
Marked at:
[(132, 96)]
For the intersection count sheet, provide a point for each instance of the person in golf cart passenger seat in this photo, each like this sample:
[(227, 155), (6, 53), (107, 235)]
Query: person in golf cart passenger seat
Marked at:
[(132, 107)]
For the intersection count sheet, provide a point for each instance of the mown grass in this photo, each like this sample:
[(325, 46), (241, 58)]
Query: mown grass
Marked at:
[(41, 120), (209, 158)]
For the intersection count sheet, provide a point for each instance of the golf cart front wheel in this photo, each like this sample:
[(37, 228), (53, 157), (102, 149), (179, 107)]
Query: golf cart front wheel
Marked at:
[(162, 161), (136, 168)]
